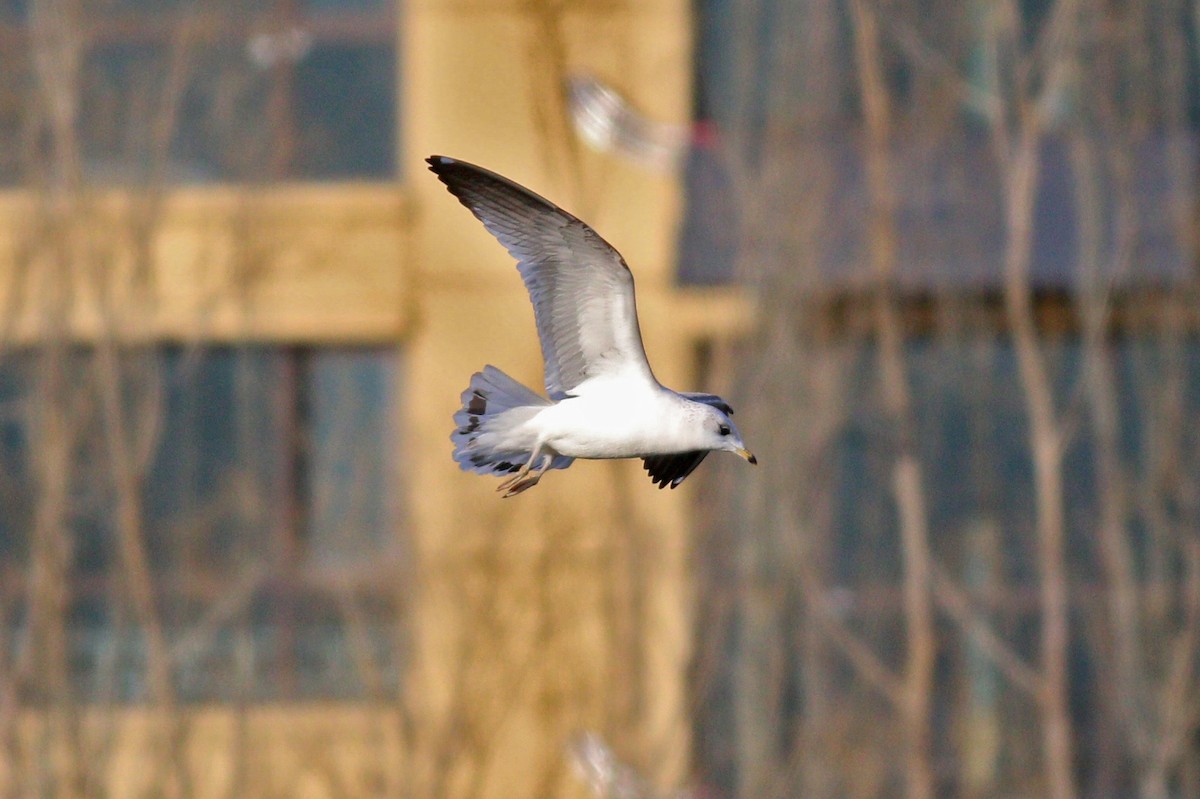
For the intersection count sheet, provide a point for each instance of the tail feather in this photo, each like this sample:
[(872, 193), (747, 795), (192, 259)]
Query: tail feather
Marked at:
[(492, 404)]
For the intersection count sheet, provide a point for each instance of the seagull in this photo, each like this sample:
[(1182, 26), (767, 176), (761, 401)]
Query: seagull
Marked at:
[(609, 123), (603, 399)]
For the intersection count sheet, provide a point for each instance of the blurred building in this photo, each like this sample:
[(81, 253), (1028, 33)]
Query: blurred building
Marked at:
[(924, 340), (236, 554), (237, 559)]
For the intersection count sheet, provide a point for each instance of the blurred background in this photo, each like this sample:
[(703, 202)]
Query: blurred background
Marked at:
[(940, 256)]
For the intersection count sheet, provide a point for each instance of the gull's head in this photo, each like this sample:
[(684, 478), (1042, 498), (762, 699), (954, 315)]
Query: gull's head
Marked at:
[(721, 434)]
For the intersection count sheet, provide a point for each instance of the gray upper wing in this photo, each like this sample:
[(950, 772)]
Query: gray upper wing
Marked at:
[(709, 399), (581, 289)]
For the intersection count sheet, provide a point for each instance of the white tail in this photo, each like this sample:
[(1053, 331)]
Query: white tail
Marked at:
[(494, 401)]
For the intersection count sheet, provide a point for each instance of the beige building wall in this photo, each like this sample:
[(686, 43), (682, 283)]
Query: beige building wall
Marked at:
[(565, 608)]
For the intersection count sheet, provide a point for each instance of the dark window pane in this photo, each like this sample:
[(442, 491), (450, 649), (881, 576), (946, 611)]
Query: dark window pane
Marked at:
[(223, 131), (345, 99), (264, 510), (253, 90), (333, 6)]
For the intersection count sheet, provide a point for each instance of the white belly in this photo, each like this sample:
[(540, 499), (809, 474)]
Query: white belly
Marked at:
[(608, 425)]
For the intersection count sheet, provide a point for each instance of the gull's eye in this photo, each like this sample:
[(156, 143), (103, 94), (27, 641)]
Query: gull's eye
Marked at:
[(723, 430)]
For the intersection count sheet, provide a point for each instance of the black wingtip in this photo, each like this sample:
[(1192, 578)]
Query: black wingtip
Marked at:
[(455, 173)]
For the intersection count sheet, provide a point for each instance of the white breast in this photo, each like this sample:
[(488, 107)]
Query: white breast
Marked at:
[(615, 421)]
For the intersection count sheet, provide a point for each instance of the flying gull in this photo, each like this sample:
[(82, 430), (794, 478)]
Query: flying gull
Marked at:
[(604, 401)]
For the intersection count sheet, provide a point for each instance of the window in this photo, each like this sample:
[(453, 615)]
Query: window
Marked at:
[(266, 522), (258, 478), (200, 92)]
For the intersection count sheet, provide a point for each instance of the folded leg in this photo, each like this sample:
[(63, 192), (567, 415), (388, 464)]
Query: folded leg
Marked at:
[(526, 477)]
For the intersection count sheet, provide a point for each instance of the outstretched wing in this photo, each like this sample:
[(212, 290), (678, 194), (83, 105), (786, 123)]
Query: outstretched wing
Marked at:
[(581, 289)]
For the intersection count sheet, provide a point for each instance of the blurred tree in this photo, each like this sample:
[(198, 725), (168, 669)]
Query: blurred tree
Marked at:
[(968, 559)]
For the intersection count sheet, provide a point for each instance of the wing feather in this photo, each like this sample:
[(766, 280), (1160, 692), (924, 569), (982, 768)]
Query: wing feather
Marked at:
[(581, 288), (710, 399), (670, 470)]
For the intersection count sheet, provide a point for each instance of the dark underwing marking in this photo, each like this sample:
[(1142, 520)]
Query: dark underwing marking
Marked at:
[(670, 470), (472, 424), (710, 399), (477, 405)]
